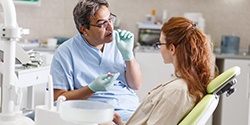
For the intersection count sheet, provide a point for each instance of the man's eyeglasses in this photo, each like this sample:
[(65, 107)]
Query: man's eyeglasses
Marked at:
[(158, 45), (105, 23)]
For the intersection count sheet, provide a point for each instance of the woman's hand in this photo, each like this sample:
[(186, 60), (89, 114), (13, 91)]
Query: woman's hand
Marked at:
[(117, 119)]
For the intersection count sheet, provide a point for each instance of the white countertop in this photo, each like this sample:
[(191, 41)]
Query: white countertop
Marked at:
[(150, 49), (149, 26), (232, 56), (39, 48)]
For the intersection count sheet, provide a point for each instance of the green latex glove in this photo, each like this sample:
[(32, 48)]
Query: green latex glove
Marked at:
[(125, 43), (103, 82)]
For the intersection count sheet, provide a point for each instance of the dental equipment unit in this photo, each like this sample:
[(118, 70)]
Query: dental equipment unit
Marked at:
[(12, 80), (10, 33)]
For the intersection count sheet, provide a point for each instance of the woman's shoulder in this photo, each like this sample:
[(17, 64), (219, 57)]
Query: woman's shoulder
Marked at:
[(176, 86), (176, 83)]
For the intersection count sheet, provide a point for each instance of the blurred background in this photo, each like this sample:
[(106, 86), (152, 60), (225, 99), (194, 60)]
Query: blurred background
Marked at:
[(53, 18)]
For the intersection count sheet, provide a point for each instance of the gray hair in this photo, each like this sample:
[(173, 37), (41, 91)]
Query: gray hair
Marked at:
[(86, 9)]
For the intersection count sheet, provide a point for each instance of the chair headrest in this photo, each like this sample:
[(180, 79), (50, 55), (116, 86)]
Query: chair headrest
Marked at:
[(223, 78)]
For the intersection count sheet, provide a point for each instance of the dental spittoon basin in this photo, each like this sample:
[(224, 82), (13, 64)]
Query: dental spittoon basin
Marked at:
[(85, 112)]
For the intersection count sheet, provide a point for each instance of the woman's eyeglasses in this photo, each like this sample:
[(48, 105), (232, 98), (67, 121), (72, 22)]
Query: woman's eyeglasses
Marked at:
[(158, 45), (105, 24)]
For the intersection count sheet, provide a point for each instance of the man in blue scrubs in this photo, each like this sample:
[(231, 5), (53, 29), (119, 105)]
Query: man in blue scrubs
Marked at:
[(98, 63)]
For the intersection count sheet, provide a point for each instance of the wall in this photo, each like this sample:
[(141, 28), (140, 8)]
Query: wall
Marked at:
[(223, 17)]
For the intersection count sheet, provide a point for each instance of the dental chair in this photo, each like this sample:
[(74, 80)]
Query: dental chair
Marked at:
[(202, 111)]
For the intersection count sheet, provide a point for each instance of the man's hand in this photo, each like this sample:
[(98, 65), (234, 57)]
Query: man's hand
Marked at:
[(125, 43), (103, 82)]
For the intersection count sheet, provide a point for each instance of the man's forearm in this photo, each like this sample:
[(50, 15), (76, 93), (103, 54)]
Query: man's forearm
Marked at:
[(133, 74), (79, 94)]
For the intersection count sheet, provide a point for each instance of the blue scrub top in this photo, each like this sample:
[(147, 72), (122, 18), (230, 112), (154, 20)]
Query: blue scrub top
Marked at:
[(76, 64)]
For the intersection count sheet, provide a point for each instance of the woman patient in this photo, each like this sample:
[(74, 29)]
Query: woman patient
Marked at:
[(189, 50)]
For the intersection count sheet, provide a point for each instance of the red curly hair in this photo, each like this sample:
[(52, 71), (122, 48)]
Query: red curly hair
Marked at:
[(195, 59)]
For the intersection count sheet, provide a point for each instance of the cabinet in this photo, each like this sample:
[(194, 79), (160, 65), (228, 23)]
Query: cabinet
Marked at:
[(154, 71), (33, 82), (235, 110)]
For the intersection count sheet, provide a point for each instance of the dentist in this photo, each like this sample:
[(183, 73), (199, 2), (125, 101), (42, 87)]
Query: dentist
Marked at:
[(98, 63)]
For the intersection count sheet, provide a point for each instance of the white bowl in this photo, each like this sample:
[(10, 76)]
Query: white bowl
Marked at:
[(82, 112)]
